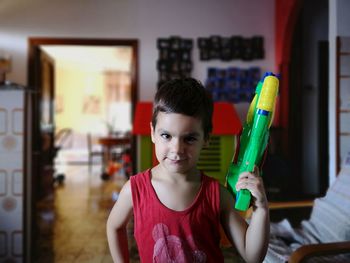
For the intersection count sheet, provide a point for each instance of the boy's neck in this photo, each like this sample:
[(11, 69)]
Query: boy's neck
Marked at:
[(158, 172)]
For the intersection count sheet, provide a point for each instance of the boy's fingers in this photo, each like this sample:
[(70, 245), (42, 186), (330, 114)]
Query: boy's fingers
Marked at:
[(246, 176), (256, 170)]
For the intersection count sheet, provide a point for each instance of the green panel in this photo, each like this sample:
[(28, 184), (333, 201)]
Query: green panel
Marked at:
[(227, 151), (215, 159), (145, 153)]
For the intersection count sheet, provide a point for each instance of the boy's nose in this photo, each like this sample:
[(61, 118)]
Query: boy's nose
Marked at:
[(177, 146)]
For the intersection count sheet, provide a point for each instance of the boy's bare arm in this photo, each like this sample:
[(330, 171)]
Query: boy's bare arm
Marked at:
[(234, 225), (116, 225), (251, 241), (257, 236)]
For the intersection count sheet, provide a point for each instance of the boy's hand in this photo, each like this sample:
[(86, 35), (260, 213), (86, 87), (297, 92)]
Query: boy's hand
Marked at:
[(254, 183)]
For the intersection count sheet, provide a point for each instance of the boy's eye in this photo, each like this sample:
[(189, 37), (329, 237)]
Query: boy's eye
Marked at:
[(165, 136), (190, 139)]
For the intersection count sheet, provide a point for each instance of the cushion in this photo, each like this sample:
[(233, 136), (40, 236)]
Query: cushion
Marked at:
[(331, 223), (330, 215), (339, 192)]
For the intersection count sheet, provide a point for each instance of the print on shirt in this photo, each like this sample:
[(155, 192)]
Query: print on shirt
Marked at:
[(170, 248)]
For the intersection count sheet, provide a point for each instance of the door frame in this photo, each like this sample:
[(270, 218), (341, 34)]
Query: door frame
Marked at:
[(33, 150), (34, 49)]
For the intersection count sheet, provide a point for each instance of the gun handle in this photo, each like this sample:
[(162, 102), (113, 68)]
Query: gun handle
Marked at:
[(243, 200)]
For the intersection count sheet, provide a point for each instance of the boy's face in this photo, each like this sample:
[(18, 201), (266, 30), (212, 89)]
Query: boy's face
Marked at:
[(178, 141)]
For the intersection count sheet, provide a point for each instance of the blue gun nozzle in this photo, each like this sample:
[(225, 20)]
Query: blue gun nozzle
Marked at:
[(270, 74)]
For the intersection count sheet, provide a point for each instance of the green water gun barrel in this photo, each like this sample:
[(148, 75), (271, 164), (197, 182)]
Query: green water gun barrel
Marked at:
[(254, 137)]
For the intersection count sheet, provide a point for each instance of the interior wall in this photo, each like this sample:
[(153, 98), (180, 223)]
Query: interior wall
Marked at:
[(143, 20), (339, 20), (315, 29)]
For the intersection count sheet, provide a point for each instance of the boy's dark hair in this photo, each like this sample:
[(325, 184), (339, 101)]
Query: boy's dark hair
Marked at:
[(185, 96)]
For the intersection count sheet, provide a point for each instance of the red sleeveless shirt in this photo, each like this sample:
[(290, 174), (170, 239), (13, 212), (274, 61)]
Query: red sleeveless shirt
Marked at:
[(166, 235)]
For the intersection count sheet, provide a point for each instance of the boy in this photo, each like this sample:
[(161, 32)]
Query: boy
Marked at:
[(177, 209)]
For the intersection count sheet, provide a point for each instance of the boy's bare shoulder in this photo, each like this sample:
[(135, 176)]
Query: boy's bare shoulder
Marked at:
[(126, 189)]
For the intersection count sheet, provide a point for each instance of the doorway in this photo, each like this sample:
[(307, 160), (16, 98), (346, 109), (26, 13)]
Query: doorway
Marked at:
[(42, 79)]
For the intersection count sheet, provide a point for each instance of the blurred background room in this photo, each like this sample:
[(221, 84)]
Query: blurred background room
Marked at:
[(77, 79)]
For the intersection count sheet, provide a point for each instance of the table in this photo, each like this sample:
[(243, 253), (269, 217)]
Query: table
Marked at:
[(108, 143)]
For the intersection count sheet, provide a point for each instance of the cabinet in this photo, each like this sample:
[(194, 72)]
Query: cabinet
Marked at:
[(343, 101), (12, 171)]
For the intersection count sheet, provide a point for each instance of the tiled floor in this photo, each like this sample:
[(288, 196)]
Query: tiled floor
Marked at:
[(72, 223)]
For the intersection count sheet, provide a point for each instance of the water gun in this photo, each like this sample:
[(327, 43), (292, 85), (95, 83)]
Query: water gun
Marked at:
[(254, 137)]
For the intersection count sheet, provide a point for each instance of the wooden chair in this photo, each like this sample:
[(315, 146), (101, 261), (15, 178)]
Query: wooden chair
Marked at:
[(326, 234), (326, 252), (63, 138), (93, 151)]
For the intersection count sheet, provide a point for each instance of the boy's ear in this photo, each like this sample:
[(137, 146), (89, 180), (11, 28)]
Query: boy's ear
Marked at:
[(152, 132)]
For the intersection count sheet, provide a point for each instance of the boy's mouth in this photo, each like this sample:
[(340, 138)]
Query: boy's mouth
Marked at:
[(176, 160)]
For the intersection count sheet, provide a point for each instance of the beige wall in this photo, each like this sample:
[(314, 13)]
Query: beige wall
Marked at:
[(80, 101), (92, 101)]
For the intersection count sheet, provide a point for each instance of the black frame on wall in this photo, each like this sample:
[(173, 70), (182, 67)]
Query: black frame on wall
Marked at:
[(174, 58), (231, 48)]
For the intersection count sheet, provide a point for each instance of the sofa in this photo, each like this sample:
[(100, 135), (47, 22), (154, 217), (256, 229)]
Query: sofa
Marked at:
[(324, 237)]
